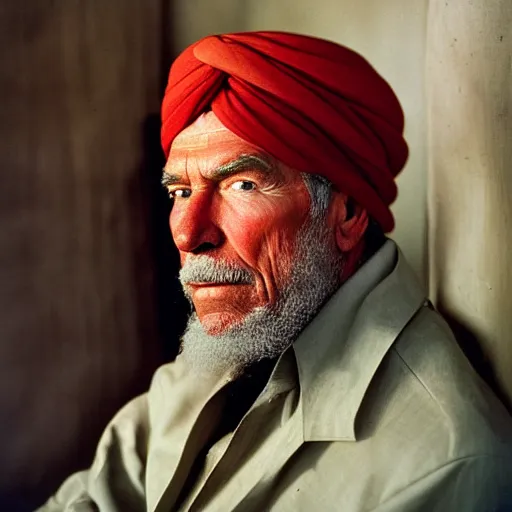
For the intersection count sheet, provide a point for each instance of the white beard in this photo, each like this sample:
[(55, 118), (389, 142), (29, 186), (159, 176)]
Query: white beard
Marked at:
[(269, 330)]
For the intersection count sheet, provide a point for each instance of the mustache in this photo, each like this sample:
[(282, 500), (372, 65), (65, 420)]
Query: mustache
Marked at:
[(205, 269)]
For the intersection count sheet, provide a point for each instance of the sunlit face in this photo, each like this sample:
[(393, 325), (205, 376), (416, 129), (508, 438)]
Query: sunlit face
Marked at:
[(236, 204)]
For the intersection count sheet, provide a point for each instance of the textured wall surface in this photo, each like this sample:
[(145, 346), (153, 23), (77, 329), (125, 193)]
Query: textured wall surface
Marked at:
[(77, 311), (390, 34), (470, 99)]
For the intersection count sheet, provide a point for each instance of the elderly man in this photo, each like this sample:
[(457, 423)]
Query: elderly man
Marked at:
[(313, 374)]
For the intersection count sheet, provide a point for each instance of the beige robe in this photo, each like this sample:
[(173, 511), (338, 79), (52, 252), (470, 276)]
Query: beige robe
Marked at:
[(374, 407)]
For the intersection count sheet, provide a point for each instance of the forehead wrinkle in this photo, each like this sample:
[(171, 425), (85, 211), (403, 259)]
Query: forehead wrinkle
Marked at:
[(244, 162), (193, 138)]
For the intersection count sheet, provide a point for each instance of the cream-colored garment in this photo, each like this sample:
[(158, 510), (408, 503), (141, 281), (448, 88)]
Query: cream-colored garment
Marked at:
[(374, 407)]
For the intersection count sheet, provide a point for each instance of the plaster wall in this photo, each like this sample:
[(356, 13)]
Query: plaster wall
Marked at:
[(470, 198)]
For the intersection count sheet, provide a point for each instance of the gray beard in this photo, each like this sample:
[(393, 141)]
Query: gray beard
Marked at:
[(268, 331)]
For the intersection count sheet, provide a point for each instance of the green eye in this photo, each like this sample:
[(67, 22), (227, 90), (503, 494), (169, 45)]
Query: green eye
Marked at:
[(243, 185)]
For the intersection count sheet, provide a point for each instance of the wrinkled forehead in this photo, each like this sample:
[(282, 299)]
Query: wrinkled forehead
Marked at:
[(206, 145), (206, 130)]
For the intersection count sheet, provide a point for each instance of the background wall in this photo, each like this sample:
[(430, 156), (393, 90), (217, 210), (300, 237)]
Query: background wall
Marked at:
[(390, 34), (80, 84), (470, 204)]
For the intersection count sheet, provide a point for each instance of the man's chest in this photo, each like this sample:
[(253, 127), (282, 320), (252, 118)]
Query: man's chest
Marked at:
[(236, 466)]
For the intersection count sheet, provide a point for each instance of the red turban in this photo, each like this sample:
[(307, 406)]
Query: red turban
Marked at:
[(314, 105)]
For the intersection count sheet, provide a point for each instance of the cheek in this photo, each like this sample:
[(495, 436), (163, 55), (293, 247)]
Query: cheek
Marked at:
[(245, 229), (265, 231)]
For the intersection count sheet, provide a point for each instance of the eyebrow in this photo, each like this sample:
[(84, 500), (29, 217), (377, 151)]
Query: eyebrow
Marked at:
[(242, 163)]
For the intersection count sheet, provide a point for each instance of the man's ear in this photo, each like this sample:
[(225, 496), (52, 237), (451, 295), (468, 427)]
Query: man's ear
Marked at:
[(349, 228)]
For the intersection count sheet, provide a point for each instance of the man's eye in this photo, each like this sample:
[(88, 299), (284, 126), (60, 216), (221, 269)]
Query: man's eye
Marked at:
[(180, 192), (243, 185)]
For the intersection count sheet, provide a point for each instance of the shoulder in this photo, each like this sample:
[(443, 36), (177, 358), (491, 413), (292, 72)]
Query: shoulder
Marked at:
[(471, 413), (477, 483), (431, 427), (131, 425), (117, 472), (120, 451), (129, 430), (428, 388), (126, 434)]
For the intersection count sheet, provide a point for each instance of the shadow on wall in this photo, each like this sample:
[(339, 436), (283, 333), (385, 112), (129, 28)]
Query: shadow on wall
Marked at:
[(172, 308), (472, 348)]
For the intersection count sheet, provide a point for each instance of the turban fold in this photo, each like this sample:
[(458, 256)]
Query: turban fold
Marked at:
[(314, 105)]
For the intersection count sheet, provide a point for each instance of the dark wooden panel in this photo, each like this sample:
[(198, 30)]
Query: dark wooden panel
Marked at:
[(80, 84)]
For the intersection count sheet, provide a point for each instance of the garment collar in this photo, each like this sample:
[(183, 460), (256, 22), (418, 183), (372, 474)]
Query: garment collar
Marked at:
[(340, 350)]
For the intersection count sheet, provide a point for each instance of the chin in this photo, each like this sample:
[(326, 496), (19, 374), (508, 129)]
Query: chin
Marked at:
[(216, 324)]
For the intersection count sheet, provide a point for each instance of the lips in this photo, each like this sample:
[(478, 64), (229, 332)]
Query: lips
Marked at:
[(211, 288), (224, 292)]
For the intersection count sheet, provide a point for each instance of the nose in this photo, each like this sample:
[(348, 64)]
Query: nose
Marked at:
[(193, 226)]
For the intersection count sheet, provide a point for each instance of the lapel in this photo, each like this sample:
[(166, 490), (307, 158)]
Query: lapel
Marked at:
[(340, 351), (269, 434), (184, 410), (288, 441)]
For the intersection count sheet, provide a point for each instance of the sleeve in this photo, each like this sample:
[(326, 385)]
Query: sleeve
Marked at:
[(472, 484), (115, 480)]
